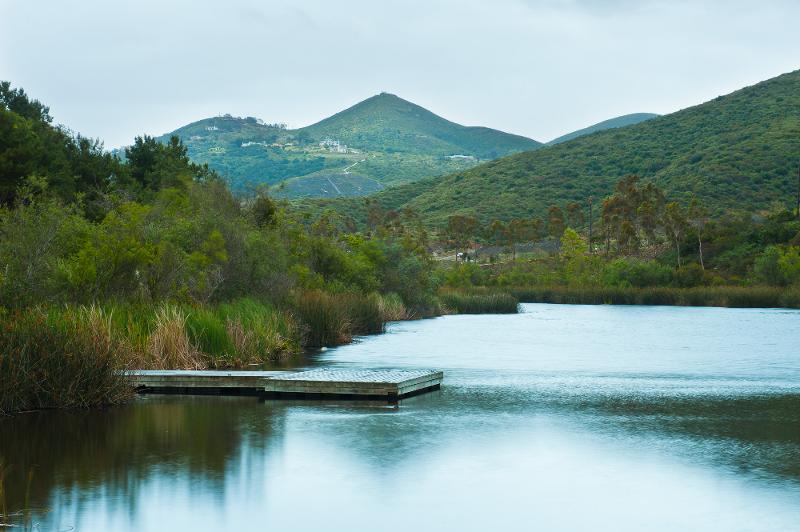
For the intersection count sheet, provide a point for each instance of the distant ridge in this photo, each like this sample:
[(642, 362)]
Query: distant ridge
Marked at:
[(612, 123), (736, 152)]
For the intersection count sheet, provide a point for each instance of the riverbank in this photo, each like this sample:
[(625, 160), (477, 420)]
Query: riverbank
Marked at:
[(712, 296), (70, 356)]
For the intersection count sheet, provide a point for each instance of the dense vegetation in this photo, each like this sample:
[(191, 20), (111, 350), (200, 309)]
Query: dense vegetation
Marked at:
[(380, 142), (152, 262), (738, 152), (643, 249)]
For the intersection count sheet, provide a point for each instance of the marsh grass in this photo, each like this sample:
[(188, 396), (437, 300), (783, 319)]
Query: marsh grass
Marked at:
[(169, 345), (712, 296), (391, 307), (66, 357), (364, 313), (259, 332), (324, 318), (479, 303)]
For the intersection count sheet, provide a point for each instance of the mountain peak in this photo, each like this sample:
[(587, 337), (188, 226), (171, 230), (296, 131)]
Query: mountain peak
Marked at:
[(386, 121)]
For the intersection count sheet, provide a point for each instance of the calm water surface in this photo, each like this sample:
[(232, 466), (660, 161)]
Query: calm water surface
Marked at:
[(560, 418)]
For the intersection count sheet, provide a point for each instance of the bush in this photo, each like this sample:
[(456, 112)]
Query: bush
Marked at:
[(637, 273)]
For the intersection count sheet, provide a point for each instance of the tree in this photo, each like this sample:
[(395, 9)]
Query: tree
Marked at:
[(555, 221), (460, 229), (16, 101), (575, 217), (590, 202), (522, 230), (573, 256), (698, 219), (264, 211), (675, 225)]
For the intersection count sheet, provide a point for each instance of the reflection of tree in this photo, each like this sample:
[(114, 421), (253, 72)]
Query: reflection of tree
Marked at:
[(121, 448), (750, 432)]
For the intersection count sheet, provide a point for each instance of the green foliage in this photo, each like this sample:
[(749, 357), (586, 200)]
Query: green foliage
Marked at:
[(75, 167), (626, 272), (465, 275), (778, 266)]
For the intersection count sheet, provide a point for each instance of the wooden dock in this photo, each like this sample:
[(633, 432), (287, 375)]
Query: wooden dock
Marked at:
[(389, 384)]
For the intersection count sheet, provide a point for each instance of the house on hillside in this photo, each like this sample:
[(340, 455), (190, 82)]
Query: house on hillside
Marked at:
[(461, 157)]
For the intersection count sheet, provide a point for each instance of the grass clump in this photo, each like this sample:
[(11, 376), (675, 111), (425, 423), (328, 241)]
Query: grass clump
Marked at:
[(258, 332), (391, 307), (480, 303), (66, 357), (325, 320), (170, 345)]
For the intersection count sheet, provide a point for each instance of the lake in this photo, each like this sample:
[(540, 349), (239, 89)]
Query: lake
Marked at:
[(559, 418)]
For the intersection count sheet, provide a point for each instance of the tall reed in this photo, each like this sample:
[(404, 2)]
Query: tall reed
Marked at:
[(479, 303), (169, 345), (63, 357), (324, 317), (259, 332)]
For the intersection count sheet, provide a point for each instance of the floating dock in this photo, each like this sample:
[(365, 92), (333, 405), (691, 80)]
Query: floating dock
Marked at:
[(389, 384)]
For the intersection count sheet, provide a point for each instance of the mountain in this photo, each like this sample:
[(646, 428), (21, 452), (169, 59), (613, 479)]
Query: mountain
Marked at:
[(389, 123), (379, 142), (739, 151), (612, 123)]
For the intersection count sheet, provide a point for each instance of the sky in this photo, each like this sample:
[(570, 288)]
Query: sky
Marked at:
[(114, 69)]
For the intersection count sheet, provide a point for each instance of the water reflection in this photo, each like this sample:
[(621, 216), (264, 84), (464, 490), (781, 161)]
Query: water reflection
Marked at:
[(531, 428)]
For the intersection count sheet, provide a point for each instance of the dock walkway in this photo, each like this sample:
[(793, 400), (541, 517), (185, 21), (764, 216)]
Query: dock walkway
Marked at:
[(389, 384)]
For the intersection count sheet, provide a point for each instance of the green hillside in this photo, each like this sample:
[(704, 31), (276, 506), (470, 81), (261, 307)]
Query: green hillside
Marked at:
[(739, 151), (380, 142), (612, 123)]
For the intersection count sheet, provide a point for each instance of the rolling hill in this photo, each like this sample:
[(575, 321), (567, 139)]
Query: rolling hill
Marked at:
[(612, 123), (739, 151), (379, 142)]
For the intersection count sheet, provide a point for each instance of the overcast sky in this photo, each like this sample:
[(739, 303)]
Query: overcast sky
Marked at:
[(540, 68)]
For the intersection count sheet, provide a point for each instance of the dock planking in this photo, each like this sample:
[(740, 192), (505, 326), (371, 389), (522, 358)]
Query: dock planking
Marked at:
[(388, 384)]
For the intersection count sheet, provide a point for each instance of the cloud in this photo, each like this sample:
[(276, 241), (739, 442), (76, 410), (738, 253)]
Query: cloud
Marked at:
[(534, 67)]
